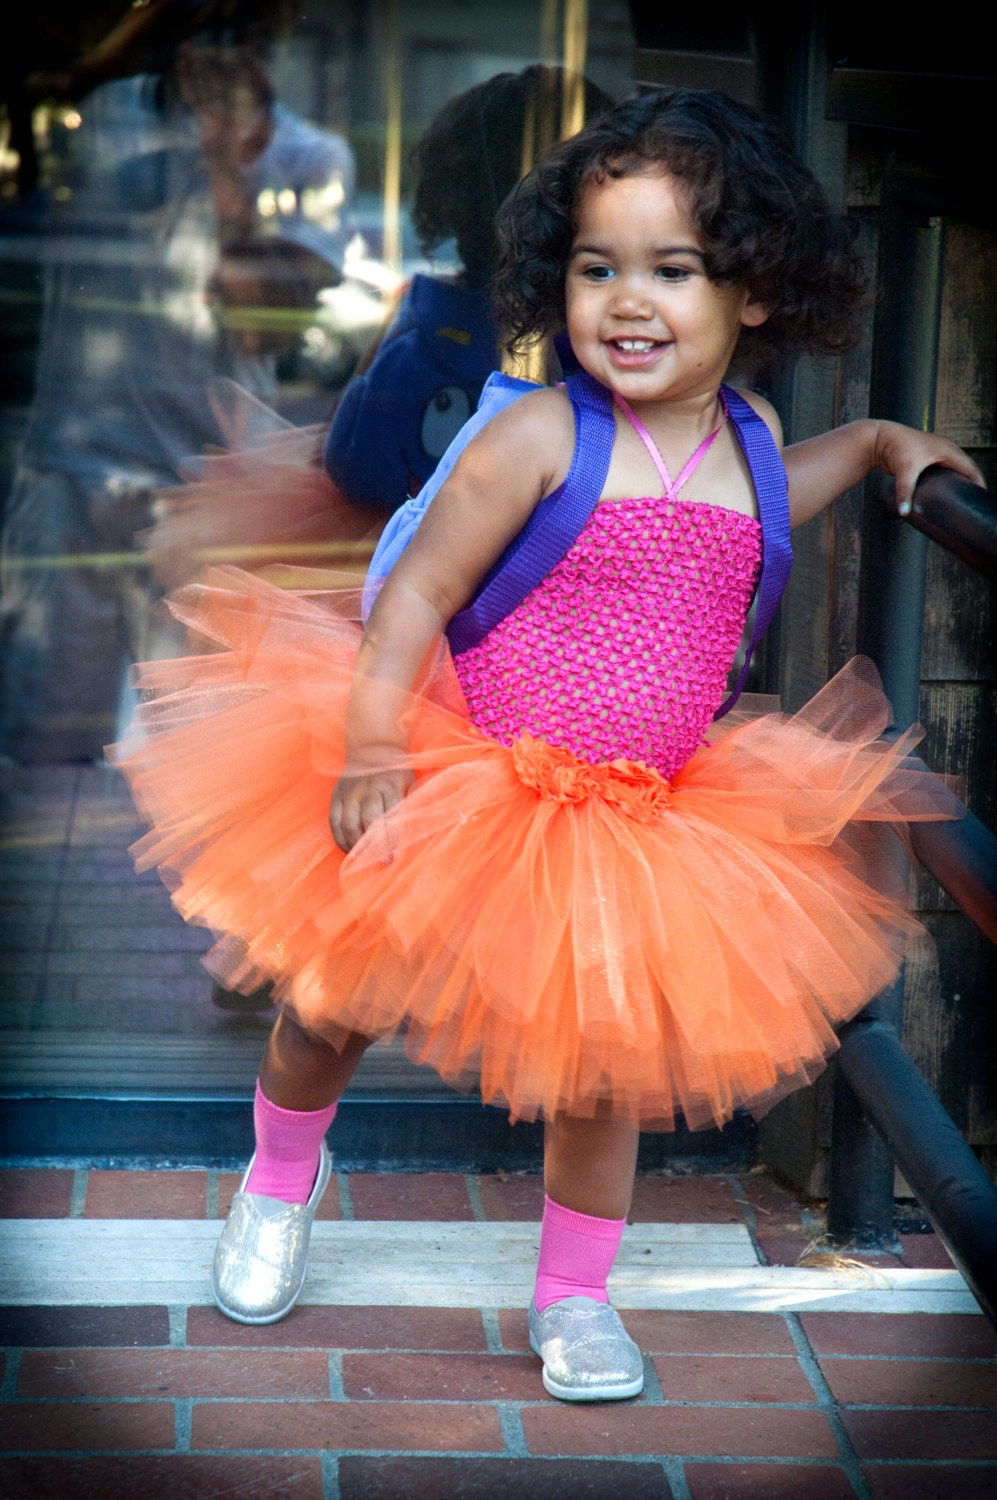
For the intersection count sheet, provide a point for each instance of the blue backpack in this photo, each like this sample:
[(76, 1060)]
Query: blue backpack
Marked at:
[(397, 419)]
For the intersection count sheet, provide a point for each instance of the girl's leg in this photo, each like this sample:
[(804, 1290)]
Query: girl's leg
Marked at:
[(301, 1071), (588, 1173), (260, 1260), (589, 1165), (301, 1080)]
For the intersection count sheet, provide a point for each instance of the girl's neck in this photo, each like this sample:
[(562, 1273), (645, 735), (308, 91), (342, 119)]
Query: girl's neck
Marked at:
[(693, 416)]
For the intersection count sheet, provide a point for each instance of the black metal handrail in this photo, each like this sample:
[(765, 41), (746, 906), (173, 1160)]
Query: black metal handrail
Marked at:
[(882, 1100), (959, 515), (883, 1109), (962, 856)]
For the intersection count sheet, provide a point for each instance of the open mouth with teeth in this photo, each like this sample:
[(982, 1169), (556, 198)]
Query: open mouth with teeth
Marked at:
[(634, 350)]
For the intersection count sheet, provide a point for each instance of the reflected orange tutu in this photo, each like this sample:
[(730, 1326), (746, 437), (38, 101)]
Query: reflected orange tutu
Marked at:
[(566, 935), (262, 498)]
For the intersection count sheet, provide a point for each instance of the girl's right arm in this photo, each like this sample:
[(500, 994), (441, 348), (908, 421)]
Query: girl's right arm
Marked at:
[(522, 454)]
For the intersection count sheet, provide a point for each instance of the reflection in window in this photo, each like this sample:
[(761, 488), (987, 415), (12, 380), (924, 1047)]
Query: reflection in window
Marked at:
[(211, 229)]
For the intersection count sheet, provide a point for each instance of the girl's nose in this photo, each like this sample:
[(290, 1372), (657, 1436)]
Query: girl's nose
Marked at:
[(630, 301)]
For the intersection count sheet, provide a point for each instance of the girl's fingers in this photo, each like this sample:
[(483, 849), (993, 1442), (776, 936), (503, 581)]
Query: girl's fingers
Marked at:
[(358, 803), (967, 467), (346, 827), (905, 479), (372, 807), (344, 817)]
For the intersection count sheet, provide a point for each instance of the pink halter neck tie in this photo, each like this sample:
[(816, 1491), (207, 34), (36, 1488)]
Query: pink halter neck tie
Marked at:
[(671, 490)]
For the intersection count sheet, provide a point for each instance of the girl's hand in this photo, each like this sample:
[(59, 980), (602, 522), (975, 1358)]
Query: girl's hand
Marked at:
[(358, 801), (906, 453), (822, 468)]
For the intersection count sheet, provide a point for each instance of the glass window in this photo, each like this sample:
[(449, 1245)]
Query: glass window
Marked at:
[(219, 226)]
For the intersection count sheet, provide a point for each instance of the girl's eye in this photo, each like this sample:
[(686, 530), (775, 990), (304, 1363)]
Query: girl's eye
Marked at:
[(597, 273), (674, 273)]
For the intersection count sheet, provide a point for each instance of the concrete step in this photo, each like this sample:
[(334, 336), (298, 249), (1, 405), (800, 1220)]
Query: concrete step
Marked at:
[(672, 1267)]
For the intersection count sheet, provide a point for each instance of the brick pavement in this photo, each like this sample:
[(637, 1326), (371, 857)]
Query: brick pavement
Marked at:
[(413, 1403)]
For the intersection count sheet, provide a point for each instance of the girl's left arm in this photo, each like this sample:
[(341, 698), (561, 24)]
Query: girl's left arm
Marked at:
[(822, 468)]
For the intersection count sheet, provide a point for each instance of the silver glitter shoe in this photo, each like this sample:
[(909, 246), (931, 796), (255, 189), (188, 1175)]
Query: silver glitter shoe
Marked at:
[(260, 1260), (587, 1353)]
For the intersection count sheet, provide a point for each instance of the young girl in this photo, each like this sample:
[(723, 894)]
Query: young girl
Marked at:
[(558, 877)]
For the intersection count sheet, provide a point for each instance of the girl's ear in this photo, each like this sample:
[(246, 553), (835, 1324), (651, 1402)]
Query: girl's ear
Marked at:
[(753, 313)]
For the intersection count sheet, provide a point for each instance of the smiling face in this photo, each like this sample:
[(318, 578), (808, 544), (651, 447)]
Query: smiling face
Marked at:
[(642, 314)]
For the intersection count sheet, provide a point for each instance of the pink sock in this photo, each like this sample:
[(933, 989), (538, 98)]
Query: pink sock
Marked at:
[(287, 1149), (576, 1255)]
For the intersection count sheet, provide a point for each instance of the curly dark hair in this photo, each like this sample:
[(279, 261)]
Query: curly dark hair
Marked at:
[(764, 221), (472, 154)]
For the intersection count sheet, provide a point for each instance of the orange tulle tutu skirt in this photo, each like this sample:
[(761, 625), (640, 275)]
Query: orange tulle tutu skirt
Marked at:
[(567, 936)]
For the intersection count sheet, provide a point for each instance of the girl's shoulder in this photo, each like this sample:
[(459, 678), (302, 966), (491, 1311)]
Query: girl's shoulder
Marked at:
[(765, 410), (539, 408), (531, 438), (540, 424)]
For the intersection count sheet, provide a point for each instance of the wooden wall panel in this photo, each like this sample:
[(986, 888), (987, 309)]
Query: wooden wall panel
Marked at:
[(960, 722), (960, 622), (966, 407), (950, 1021)]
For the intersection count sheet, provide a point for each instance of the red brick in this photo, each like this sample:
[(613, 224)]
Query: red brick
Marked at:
[(712, 1378), (932, 1482), (146, 1195), (908, 1382), (684, 1200), (499, 1479), (422, 1328), (419, 1195), (402, 1425), (770, 1200), (229, 1183), (27, 1193), (170, 1477), (783, 1249), (436, 1377), (926, 1251), (682, 1332), (173, 1372), (49, 1425), (767, 1482), (517, 1196), (748, 1432), (950, 1435), (63, 1327), (938, 1335)]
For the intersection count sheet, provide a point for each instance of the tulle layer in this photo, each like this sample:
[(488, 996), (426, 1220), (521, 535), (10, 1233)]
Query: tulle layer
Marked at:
[(262, 498), (566, 936)]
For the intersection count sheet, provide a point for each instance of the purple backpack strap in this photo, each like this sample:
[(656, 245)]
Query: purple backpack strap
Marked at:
[(768, 474), (554, 525), (558, 519)]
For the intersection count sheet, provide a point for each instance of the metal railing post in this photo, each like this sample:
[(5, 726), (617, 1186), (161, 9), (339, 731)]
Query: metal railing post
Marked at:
[(860, 1186), (891, 612), (949, 1182)]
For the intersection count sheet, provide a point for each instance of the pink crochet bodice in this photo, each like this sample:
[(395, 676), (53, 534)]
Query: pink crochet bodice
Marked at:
[(625, 647)]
